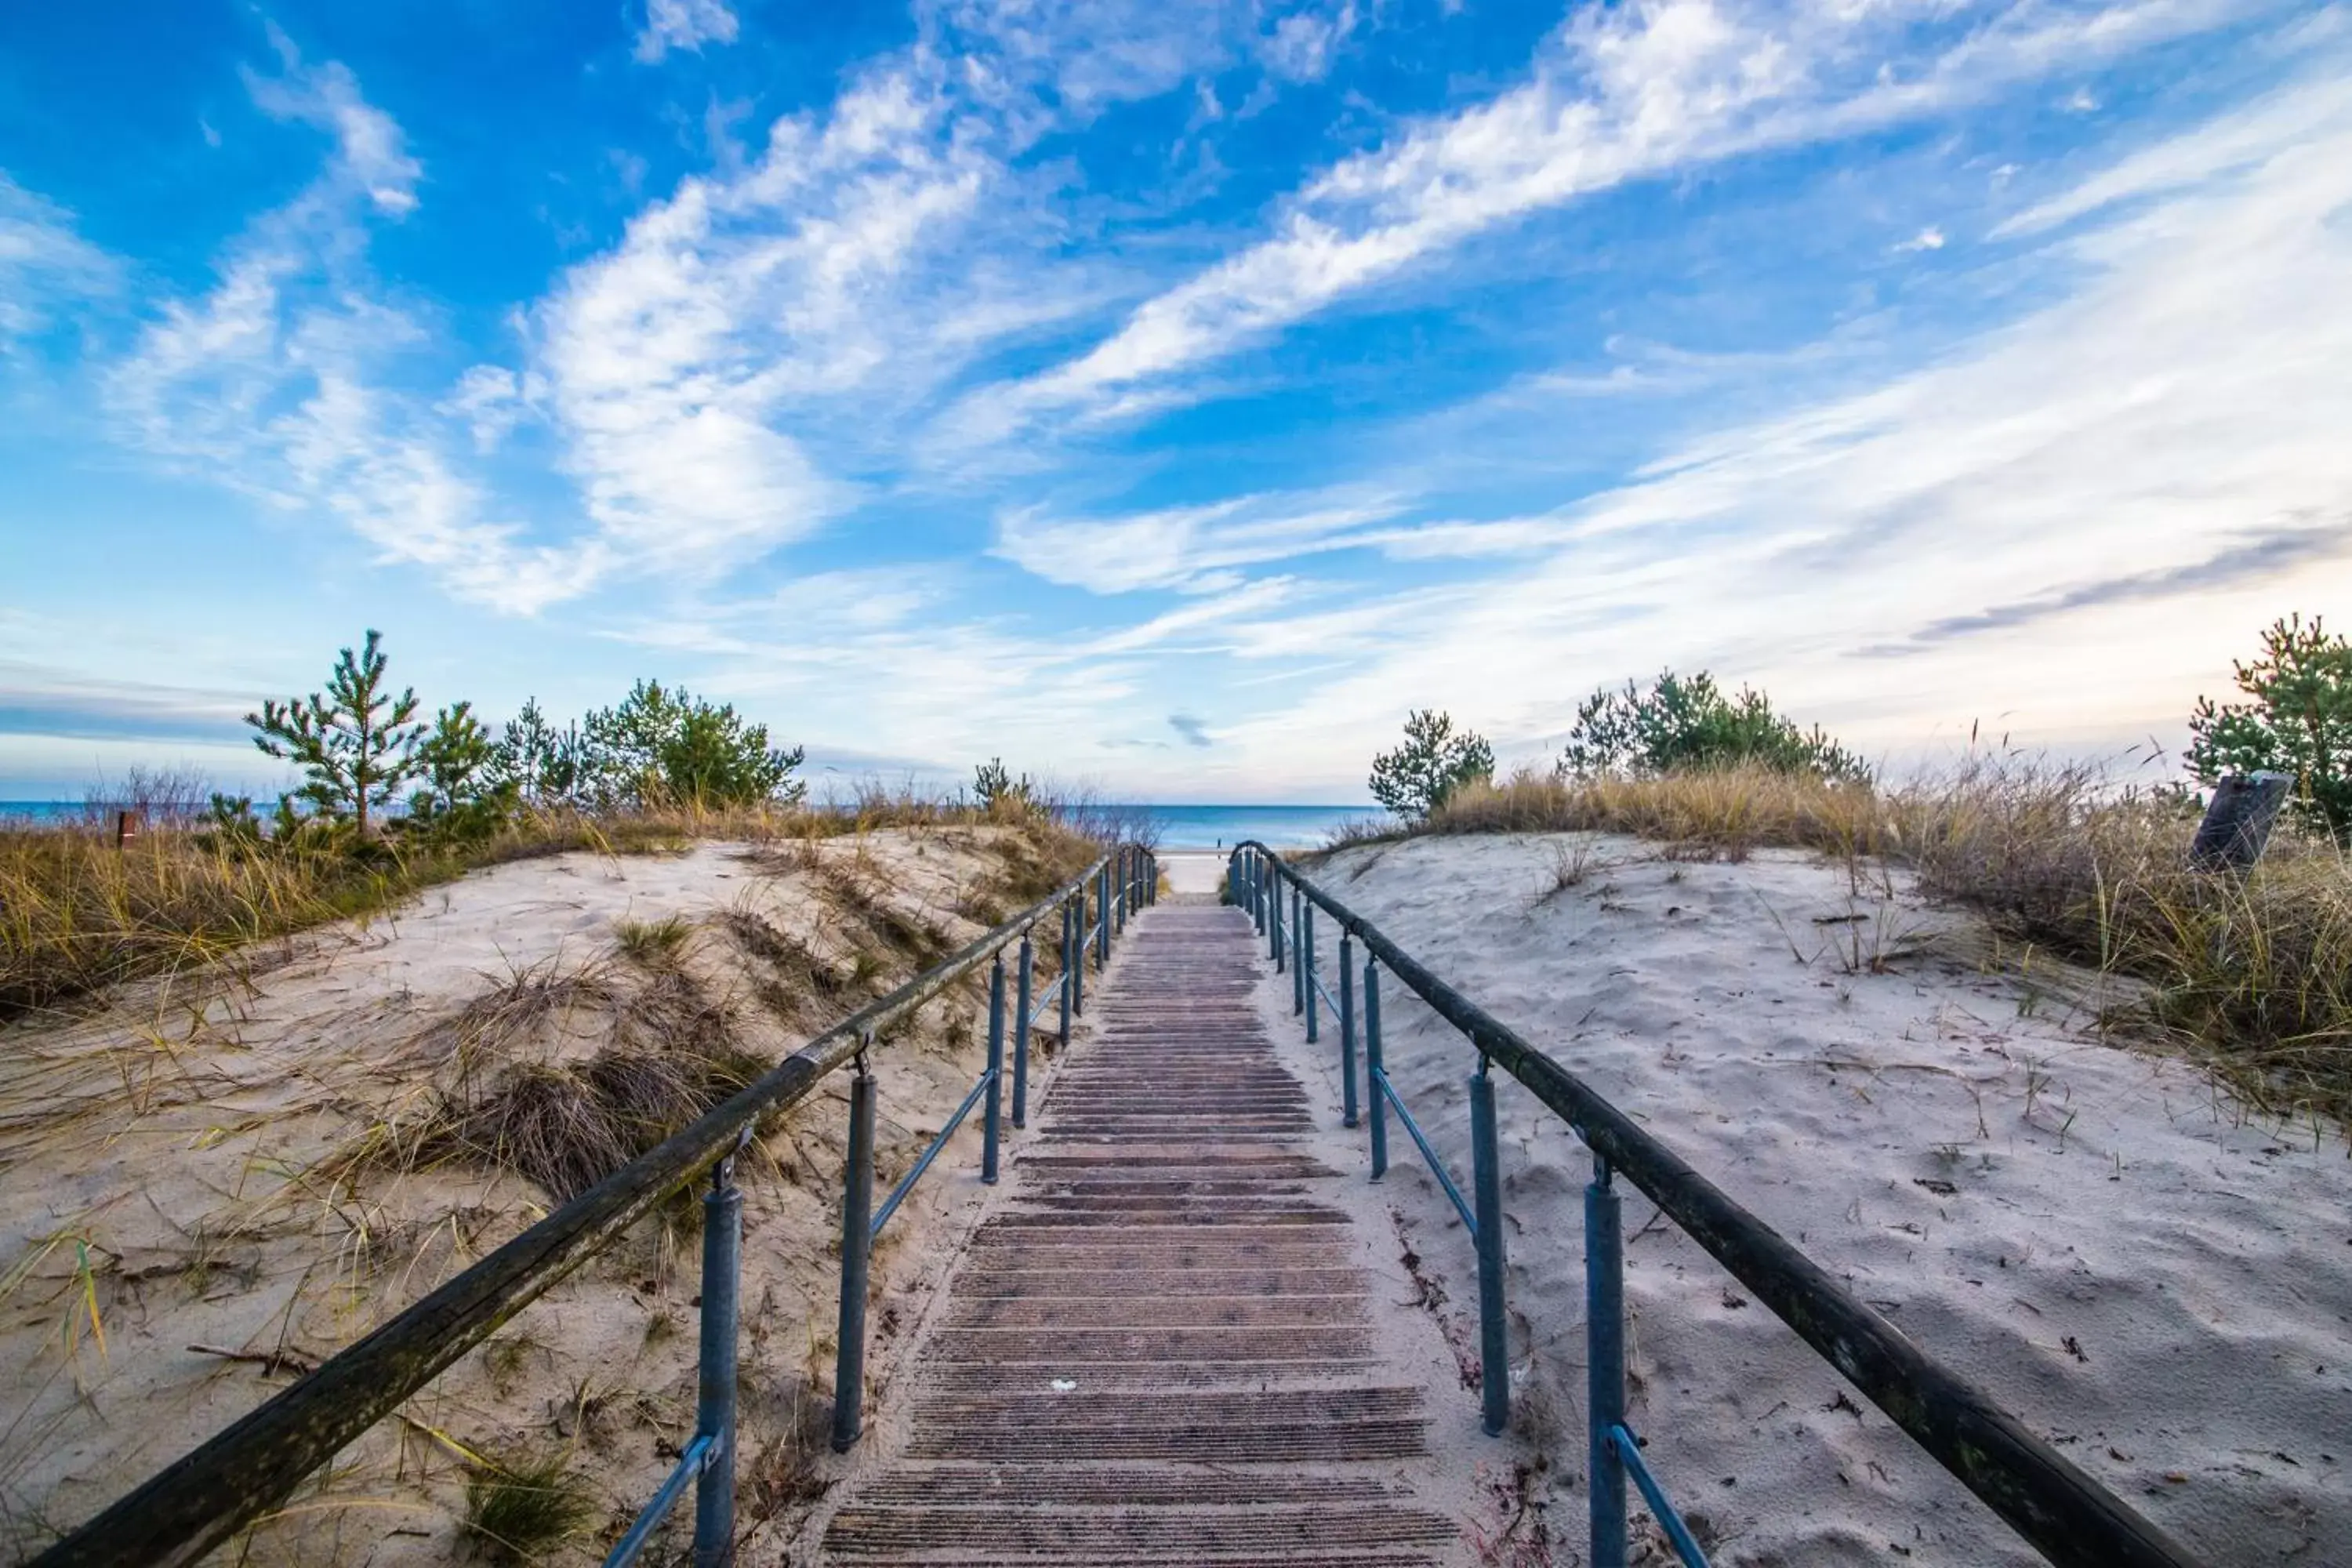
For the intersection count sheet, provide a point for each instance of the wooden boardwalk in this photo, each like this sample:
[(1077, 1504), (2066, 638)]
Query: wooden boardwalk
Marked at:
[(1160, 1347)]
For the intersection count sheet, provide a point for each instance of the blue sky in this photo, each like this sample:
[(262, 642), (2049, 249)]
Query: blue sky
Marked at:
[(1166, 396)]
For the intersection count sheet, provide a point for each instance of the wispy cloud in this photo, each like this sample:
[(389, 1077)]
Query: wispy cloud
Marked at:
[(39, 699), (46, 267), (2140, 465), (1619, 94), (371, 151), (272, 381), (2263, 556), (1189, 549), (683, 24)]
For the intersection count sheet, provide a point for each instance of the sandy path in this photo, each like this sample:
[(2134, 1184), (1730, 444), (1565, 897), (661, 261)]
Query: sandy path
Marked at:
[(2146, 1275)]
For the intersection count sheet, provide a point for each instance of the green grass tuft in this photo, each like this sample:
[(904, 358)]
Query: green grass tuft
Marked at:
[(523, 1511)]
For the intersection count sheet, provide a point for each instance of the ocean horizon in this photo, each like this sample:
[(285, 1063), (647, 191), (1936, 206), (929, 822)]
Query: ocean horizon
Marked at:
[(1181, 826)]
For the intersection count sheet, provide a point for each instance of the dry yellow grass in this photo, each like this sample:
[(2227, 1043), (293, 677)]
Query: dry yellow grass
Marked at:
[(78, 914), (2254, 970)]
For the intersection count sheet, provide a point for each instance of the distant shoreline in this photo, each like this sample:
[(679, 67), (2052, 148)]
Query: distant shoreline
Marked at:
[(1181, 826)]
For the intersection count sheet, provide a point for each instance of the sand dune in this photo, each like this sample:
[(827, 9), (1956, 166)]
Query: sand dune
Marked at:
[(2148, 1276), (223, 1165)]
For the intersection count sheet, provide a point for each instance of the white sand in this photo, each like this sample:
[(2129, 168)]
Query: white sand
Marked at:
[(1190, 871), (2153, 1279), (178, 1136)]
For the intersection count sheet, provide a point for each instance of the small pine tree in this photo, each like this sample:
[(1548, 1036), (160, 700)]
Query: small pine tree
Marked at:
[(2299, 722), (1434, 762), (540, 760), (998, 792), (356, 743), (467, 795)]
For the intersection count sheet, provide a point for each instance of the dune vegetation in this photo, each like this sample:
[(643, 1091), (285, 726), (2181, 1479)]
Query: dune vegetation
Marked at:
[(2251, 969), (390, 805)]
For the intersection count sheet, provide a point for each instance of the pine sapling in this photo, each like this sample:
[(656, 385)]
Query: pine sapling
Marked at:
[(356, 743)]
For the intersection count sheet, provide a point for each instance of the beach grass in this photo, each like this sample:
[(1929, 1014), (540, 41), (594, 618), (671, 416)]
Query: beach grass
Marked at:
[(80, 913), (2252, 971)]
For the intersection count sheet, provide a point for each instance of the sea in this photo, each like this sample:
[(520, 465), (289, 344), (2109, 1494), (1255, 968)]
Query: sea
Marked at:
[(1281, 826), (38, 810), (1181, 826)]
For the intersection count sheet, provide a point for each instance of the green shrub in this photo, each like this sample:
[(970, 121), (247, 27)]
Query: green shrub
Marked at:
[(1686, 724)]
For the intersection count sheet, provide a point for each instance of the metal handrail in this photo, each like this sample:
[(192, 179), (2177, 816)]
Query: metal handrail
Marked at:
[(914, 1173), (1420, 1141), (1629, 1454), (215, 1489), (2064, 1513), (1053, 995)]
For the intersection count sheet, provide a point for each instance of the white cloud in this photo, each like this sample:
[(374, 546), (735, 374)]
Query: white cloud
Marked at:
[(1083, 54), (370, 151), (1300, 47), (45, 266), (1621, 93), (670, 361), (705, 382), (1928, 238), (2069, 530), (492, 400), (683, 25), (2229, 147), (1185, 548), (269, 382)]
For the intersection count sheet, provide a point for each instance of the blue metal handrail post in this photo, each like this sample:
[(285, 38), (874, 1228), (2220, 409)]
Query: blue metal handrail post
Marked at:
[(1256, 881), (1123, 884), (1274, 921), (1348, 1029), (1021, 1045), (1487, 1196), (1604, 1357), (856, 1247), (1306, 971), (714, 1417), (1373, 1075), (1077, 956), (992, 1122), (1069, 970), (1297, 953), (1102, 918)]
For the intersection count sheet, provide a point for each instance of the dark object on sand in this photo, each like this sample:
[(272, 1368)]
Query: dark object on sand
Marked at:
[(2238, 821)]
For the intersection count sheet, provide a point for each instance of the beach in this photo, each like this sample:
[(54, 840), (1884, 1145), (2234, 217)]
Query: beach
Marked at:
[(212, 1184), (2145, 1273)]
